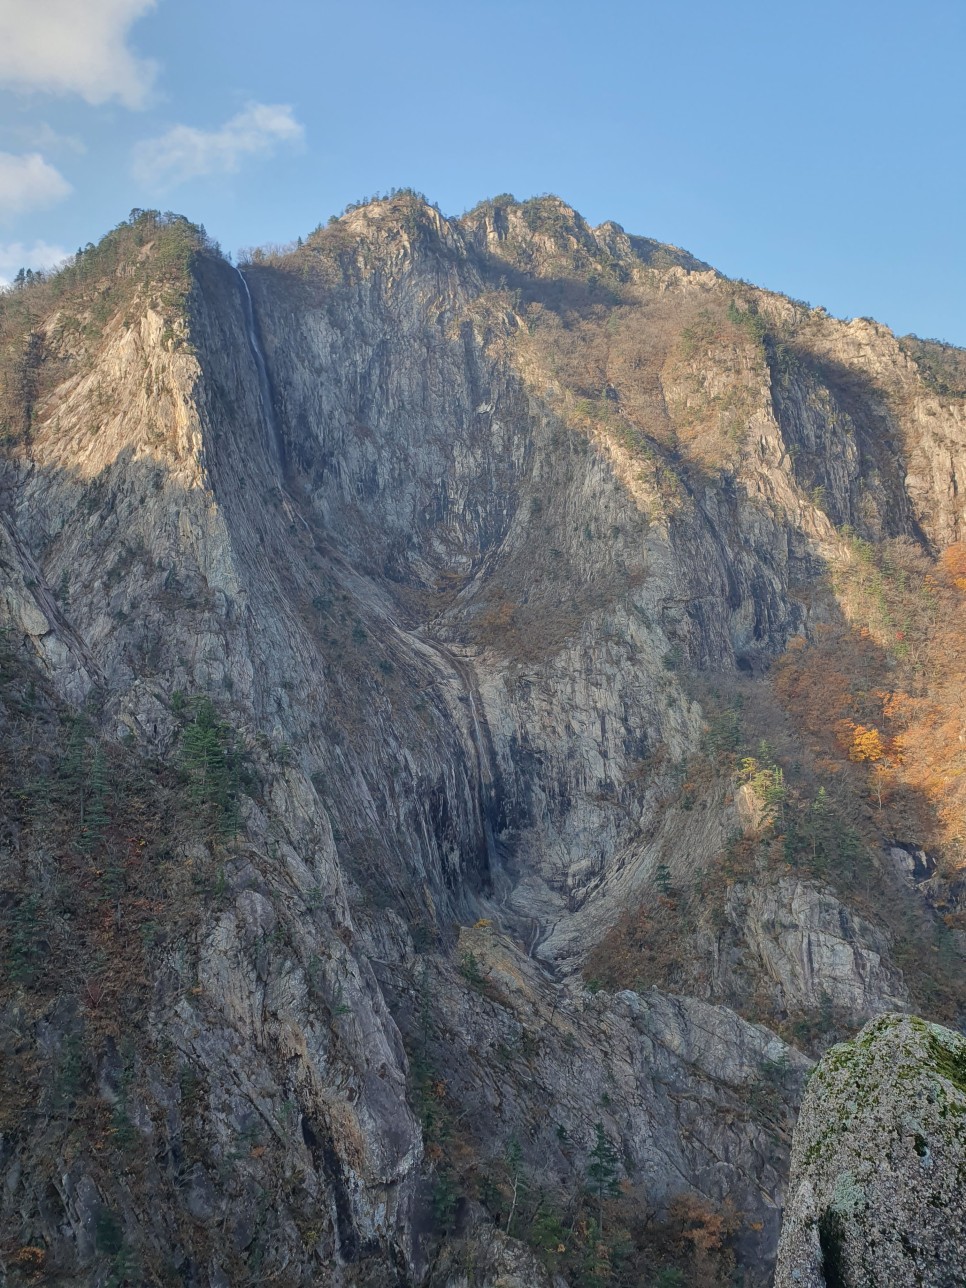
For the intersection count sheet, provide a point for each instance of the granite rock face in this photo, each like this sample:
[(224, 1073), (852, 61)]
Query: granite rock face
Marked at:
[(801, 941), (878, 1182), (351, 499)]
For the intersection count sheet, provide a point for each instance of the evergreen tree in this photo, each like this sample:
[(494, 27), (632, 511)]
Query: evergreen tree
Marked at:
[(210, 761), (602, 1170), (96, 817), (73, 772)]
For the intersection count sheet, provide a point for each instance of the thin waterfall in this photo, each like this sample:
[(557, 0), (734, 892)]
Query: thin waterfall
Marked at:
[(489, 777), (277, 446), (488, 794)]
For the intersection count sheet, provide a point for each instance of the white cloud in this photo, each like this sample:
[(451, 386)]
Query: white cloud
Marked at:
[(185, 153), (43, 138), (17, 255), (74, 47), (28, 182)]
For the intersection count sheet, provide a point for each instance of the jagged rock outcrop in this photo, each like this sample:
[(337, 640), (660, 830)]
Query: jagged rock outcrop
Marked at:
[(490, 1260), (440, 518), (803, 942), (877, 1193)]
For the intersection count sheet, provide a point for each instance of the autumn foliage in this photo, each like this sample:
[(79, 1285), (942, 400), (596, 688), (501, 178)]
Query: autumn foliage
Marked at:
[(857, 742), (952, 561), (883, 695)]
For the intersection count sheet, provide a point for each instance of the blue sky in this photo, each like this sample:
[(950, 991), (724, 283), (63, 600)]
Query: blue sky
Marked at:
[(813, 148)]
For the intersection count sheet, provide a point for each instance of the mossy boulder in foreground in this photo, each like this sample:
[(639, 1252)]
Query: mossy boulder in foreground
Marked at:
[(878, 1177)]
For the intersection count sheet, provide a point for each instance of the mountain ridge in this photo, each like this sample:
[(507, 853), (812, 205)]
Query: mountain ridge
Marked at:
[(504, 619)]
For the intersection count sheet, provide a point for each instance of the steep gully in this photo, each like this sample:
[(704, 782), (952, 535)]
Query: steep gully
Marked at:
[(456, 672), (276, 441)]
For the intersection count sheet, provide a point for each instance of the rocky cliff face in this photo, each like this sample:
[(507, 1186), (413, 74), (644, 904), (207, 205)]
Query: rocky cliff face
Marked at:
[(876, 1187), (394, 599)]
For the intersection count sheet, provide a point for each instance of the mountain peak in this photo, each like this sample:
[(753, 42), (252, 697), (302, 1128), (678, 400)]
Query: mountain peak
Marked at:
[(461, 686)]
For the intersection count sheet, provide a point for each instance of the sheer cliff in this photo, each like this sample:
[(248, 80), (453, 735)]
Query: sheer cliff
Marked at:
[(472, 734)]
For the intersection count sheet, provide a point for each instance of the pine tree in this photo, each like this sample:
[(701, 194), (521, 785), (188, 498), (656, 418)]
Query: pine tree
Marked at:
[(96, 819), (210, 761), (72, 786), (602, 1170)]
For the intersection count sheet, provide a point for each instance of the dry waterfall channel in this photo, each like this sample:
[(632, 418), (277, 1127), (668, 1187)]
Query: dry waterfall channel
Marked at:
[(264, 383)]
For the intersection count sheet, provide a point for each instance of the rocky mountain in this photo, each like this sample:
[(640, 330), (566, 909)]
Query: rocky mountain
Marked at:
[(481, 713)]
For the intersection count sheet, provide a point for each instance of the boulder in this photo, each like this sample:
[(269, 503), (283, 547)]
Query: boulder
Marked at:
[(878, 1179)]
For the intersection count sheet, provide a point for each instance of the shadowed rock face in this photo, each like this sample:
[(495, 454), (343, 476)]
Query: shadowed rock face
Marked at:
[(444, 565), (876, 1194)]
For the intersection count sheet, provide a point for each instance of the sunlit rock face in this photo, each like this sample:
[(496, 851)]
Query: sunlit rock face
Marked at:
[(448, 522)]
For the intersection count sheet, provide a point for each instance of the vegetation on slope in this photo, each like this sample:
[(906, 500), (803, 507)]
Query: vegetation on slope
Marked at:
[(601, 1228), (49, 319), (852, 744), (941, 365), (107, 862)]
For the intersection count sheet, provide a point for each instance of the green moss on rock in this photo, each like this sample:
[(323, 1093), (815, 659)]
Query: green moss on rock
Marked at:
[(879, 1149)]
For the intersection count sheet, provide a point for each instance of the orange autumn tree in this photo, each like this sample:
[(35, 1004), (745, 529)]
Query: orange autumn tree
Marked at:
[(865, 745), (809, 681), (953, 563)]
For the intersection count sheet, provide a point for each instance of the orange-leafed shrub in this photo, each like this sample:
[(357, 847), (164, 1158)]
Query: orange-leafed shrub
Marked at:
[(952, 561)]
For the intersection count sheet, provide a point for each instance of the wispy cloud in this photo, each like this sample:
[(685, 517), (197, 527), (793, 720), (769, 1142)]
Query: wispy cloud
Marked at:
[(29, 182), (17, 255), (69, 47), (185, 153), (40, 136)]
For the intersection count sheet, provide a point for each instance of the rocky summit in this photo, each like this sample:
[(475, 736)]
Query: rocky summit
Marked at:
[(480, 715)]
